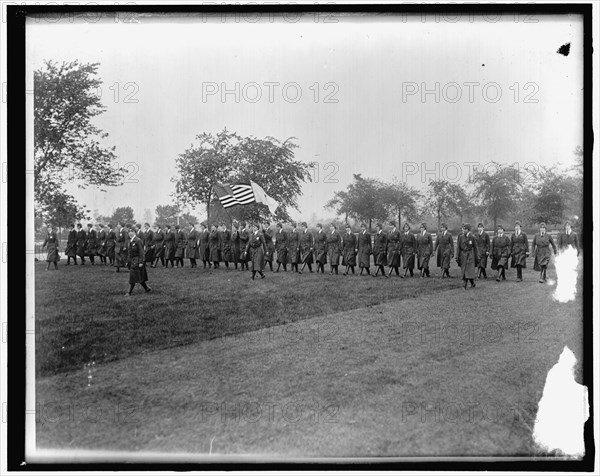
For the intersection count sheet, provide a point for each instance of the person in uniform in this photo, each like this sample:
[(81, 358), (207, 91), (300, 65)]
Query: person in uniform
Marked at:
[(519, 250), (170, 247), (409, 245), (51, 242), (140, 233), (334, 248), (349, 250), (102, 243), (500, 252), (467, 255), (111, 238), (281, 245), (192, 246), (244, 237), (91, 247), (256, 247), (321, 248), (424, 250), (394, 238), (269, 245), (136, 263), (148, 244), (307, 246), (235, 244), (71, 250), (541, 251), (226, 254), (568, 239), (380, 245), (444, 250), (121, 247), (364, 249), (214, 246), (159, 246), (294, 247), (203, 248), (81, 242), (482, 240), (179, 246)]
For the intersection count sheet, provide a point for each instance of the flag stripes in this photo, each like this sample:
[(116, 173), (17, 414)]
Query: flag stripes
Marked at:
[(243, 193), (239, 194)]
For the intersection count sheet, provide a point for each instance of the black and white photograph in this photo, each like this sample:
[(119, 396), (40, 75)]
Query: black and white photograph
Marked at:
[(262, 234)]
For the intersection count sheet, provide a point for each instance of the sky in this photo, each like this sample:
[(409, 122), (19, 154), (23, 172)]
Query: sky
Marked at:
[(413, 98)]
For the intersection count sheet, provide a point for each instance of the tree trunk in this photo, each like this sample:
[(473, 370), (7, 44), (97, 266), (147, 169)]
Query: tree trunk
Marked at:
[(370, 220), (208, 208)]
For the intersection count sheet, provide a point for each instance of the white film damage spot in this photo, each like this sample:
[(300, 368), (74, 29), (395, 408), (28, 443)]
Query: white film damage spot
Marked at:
[(566, 275)]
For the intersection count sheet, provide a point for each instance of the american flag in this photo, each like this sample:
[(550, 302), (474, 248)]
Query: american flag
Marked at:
[(238, 194)]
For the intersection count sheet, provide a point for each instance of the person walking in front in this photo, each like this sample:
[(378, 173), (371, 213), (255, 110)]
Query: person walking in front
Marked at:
[(136, 263), (270, 246), (349, 250), (307, 245), (467, 251), (541, 251), (409, 245), (424, 250), (394, 245), (214, 244), (281, 246), (568, 239), (500, 252), (334, 248), (111, 238), (256, 247), (159, 246), (81, 243), (71, 250), (191, 245), (51, 242), (179, 246), (294, 247), (444, 249), (170, 247), (321, 248), (482, 240), (364, 250), (380, 245), (519, 250)]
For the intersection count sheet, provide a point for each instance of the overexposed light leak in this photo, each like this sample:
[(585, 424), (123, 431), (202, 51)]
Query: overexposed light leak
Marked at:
[(562, 410), (566, 275)]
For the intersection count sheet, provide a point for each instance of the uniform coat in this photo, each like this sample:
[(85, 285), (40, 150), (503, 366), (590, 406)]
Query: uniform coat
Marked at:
[(191, 246), (121, 248), (307, 245), (294, 246), (409, 244), (565, 240), (91, 247), (349, 244), (519, 246), (281, 245), (235, 246), (269, 245), (541, 250), (500, 251), (111, 237), (71, 250), (334, 247), (244, 237), (256, 247), (170, 245), (380, 243), (467, 252), (226, 254), (394, 248), (149, 246), (102, 242), (135, 261), (364, 249), (81, 243), (159, 244), (179, 244), (424, 249), (214, 246), (52, 242), (203, 248), (321, 247), (483, 247), (444, 249)]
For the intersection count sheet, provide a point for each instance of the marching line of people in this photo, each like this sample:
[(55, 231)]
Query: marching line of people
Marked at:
[(253, 246)]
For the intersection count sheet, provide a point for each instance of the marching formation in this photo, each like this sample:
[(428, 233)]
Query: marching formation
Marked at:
[(253, 246)]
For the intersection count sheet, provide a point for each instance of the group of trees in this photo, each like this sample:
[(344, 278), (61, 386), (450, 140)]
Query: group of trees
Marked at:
[(65, 139), (542, 194)]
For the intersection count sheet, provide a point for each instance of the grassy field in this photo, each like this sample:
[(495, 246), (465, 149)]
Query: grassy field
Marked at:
[(311, 365)]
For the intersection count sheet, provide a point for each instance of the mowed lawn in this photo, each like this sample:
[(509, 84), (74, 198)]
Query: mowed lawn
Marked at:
[(310, 365)]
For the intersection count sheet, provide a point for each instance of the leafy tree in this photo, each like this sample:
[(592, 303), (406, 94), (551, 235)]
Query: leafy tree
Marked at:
[(229, 158), (363, 200), (554, 190), (123, 214), (400, 201), (65, 140), (461, 203), (498, 192), (64, 211), (168, 214), (445, 198)]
